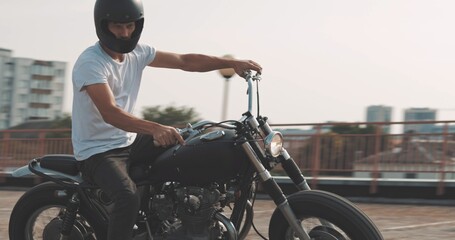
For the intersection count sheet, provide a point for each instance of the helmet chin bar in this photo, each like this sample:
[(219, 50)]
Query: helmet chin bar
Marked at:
[(120, 45), (115, 44)]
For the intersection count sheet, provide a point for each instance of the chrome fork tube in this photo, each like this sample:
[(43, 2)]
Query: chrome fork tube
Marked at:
[(297, 177), (293, 171), (264, 175), (275, 192)]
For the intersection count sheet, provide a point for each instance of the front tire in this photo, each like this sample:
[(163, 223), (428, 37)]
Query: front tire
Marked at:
[(37, 215), (312, 206)]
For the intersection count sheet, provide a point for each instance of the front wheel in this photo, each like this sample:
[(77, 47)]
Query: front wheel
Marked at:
[(324, 216)]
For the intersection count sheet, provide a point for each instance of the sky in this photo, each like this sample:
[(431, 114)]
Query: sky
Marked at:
[(324, 60)]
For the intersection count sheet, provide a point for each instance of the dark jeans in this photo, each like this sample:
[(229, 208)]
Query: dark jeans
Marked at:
[(109, 170)]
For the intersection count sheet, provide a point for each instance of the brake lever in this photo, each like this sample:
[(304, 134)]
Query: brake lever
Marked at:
[(249, 74), (257, 77)]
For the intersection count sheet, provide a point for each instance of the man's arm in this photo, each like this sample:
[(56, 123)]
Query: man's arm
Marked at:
[(201, 63), (103, 99)]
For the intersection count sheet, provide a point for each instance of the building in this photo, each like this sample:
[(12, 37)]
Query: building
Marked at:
[(380, 113), (412, 159), (419, 114), (30, 89)]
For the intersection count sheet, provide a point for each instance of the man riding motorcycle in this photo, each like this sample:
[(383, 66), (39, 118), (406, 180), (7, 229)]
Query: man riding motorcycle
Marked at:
[(107, 138)]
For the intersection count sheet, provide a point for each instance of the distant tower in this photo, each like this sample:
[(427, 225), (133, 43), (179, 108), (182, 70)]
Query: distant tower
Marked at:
[(419, 114), (380, 113)]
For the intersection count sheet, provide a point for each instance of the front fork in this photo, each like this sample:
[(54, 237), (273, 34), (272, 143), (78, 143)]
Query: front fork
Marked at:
[(272, 188), (293, 171)]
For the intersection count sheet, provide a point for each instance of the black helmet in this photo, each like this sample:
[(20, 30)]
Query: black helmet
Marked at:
[(120, 11)]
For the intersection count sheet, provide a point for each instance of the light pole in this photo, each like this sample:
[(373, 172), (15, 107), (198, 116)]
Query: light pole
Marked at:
[(227, 73)]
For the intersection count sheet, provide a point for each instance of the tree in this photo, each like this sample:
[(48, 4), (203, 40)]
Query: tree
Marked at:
[(170, 115), (63, 122)]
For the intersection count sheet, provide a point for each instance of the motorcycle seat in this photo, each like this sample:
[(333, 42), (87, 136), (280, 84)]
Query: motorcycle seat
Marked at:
[(68, 164), (64, 163)]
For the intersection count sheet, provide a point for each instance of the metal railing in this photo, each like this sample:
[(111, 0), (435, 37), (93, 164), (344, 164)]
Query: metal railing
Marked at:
[(419, 151), (372, 150), (18, 147)]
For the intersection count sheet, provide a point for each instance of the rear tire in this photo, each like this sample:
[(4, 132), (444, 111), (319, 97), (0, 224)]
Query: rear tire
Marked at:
[(348, 222), (37, 213)]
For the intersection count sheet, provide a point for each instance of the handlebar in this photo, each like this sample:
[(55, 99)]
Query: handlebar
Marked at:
[(250, 77), (190, 131)]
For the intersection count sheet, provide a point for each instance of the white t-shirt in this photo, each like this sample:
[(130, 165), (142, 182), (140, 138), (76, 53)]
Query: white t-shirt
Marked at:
[(90, 133)]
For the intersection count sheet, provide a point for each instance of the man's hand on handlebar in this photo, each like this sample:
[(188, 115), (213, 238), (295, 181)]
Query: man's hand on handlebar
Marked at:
[(241, 66), (166, 136)]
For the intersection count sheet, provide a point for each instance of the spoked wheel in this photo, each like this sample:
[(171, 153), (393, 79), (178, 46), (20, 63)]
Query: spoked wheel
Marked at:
[(39, 215), (317, 231), (326, 233), (324, 216), (46, 223)]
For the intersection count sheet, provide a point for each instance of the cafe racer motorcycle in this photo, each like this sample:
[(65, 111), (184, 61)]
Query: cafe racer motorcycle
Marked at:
[(202, 190)]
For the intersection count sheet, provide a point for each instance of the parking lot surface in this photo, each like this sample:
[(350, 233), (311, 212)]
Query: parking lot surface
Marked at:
[(396, 221)]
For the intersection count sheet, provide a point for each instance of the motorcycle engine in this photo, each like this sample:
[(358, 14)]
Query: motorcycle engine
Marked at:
[(194, 207)]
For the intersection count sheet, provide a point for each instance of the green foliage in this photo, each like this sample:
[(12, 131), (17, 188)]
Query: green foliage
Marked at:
[(170, 115), (60, 123)]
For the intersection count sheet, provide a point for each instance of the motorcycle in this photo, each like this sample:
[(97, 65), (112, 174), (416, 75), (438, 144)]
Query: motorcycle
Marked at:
[(202, 190)]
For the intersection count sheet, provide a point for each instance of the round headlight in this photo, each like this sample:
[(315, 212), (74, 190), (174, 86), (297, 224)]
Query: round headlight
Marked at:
[(274, 143)]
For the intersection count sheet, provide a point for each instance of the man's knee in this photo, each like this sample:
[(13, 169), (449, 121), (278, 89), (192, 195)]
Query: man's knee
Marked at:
[(128, 198)]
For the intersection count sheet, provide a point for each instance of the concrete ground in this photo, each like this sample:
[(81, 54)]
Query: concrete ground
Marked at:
[(396, 221)]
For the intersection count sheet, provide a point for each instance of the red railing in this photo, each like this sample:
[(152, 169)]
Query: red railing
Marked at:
[(376, 155), (18, 147), (320, 152)]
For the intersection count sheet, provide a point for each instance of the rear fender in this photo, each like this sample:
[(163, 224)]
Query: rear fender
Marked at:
[(21, 172), (25, 171)]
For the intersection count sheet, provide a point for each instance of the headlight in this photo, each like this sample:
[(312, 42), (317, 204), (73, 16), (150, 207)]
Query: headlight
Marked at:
[(274, 143)]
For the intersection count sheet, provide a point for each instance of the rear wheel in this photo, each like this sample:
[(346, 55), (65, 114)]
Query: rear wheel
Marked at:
[(324, 216), (39, 215)]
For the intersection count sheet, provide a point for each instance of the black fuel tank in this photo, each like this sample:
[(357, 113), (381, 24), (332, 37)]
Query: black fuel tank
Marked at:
[(210, 157)]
